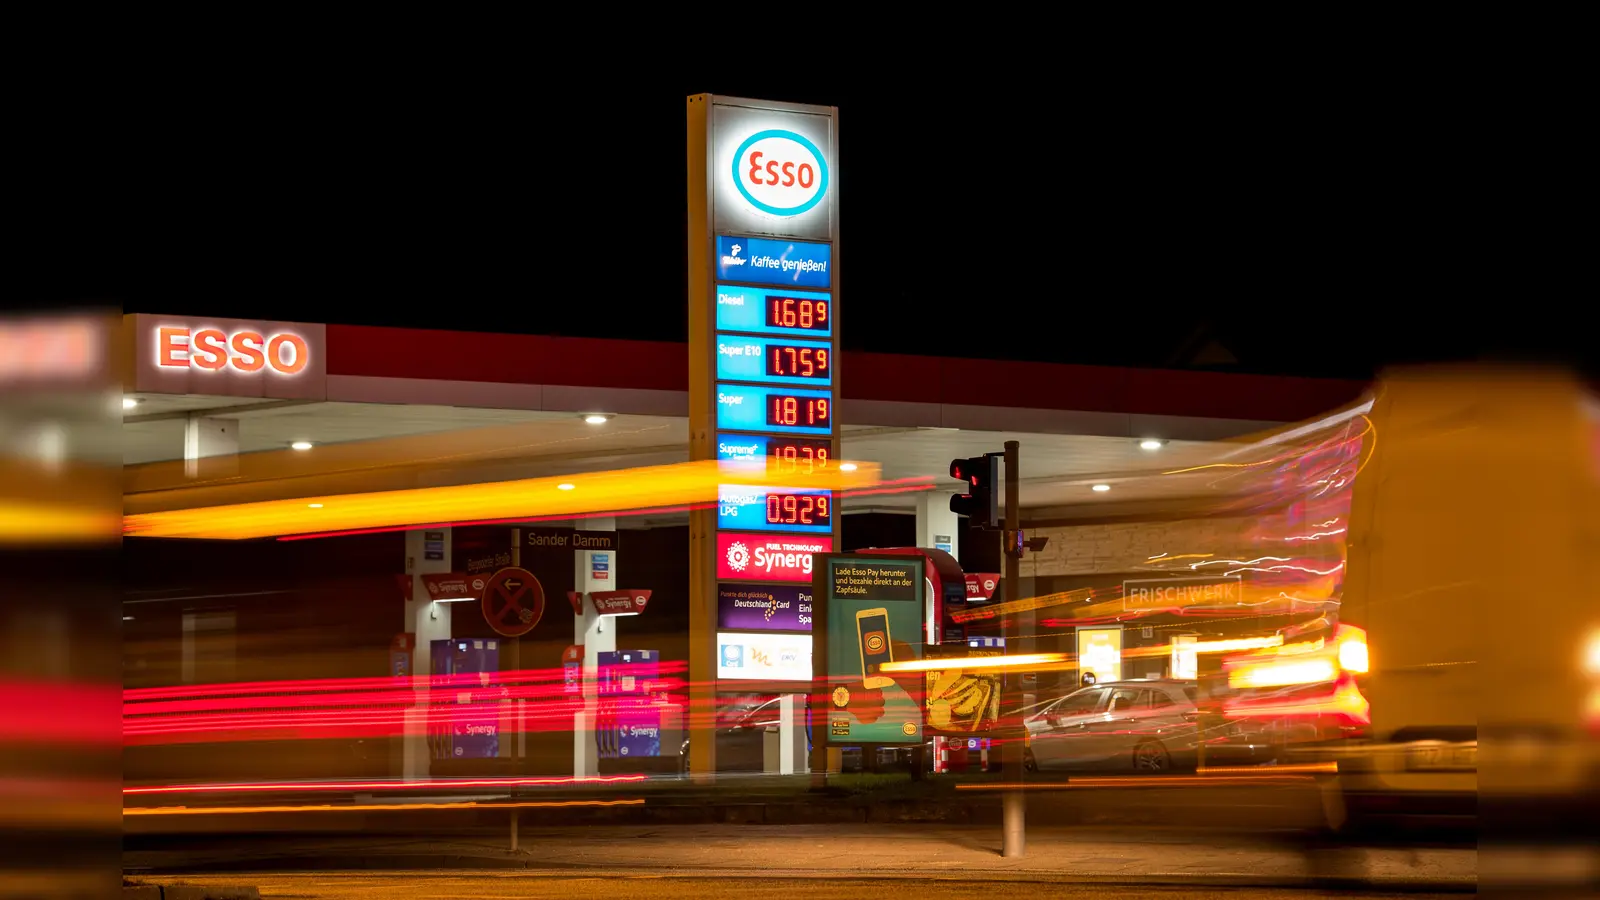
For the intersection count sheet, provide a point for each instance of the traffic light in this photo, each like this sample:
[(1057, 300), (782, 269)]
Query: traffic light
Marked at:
[(979, 503)]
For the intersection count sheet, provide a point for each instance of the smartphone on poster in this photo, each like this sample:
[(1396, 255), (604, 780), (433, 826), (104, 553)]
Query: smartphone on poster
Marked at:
[(872, 626)]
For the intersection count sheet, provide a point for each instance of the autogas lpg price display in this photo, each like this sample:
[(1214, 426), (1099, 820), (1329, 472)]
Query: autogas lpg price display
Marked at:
[(774, 509)]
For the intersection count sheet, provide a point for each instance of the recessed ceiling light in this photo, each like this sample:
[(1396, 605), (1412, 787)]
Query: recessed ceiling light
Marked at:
[(130, 402), (595, 419), (314, 505), (1149, 444), (300, 445), (564, 486), (127, 618), (847, 467), (1102, 488)]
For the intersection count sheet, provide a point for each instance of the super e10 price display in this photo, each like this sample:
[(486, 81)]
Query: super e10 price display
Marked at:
[(785, 360)]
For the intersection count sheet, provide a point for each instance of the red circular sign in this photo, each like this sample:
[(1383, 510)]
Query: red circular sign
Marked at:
[(513, 602)]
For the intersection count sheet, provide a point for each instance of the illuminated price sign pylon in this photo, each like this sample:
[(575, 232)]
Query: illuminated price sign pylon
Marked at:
[(763, 345)]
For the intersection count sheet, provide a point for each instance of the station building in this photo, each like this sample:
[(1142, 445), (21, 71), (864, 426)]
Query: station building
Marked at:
[(221, 412)]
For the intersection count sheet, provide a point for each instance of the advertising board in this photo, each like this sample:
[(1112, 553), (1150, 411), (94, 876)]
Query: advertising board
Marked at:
[(755, 557), (753, 607), (763, 657), (787, 263), (874, 616)]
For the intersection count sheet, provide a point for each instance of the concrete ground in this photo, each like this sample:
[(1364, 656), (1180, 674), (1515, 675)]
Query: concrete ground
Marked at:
[(503, 886), (733, 853)]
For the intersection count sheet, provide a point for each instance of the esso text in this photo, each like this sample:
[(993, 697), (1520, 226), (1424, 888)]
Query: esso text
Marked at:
[(780, 172), (213, 350)]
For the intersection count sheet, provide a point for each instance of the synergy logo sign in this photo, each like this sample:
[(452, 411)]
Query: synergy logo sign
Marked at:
[(751, 557), (780, 172)]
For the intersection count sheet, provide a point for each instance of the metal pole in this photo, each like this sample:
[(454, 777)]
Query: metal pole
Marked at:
[(515, 815), (1015, 842)]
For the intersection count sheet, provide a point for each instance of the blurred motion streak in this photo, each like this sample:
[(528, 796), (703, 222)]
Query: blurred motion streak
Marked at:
[(60, 673), (369, 807), (43, 712), (594, 492), (297, 786), (358, 707)]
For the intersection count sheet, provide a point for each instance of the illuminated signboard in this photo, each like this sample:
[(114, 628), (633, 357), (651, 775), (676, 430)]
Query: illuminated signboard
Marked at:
[(784, 455), (792, 410), (763, 657), (227, 357), (765, 557), (764, 261), (212, 349), (774, 311), (774, 360), (775, 509), (763, 370), (764, 607), (772, 170)]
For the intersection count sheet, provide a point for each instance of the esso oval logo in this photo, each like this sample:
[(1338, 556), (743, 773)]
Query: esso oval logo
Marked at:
[(780, 172)]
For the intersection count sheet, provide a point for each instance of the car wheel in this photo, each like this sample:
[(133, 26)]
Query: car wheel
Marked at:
[(1150, 756)]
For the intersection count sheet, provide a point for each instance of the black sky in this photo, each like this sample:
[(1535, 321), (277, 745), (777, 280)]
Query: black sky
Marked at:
[(1307, 226)]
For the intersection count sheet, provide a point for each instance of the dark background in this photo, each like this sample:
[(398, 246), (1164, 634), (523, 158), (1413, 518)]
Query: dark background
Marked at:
[(1195, 213)]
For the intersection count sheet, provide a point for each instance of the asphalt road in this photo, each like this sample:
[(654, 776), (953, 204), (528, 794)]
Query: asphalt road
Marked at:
[(467, 886)]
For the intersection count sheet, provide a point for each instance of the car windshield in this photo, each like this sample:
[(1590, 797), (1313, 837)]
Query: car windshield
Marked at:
[(736, 711)]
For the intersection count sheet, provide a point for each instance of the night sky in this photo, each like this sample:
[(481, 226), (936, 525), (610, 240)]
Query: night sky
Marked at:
[(1307, 228)]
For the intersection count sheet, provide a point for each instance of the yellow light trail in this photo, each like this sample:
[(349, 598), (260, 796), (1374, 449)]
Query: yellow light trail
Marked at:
[(591, 492), (979, 663)]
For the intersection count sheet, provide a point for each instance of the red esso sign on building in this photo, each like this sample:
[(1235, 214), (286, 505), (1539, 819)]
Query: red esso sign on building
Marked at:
[(779, 172), (212, 349)]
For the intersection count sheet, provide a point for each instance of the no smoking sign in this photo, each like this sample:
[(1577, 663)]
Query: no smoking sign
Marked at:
[(513, 602)]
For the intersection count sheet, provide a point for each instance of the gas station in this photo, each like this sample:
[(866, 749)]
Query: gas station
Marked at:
[(758, 450)]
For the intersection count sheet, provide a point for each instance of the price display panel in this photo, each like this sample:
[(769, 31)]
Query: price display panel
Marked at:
[(774, 409), (796, 456), (774, 509), (774, 360), (782, 311)]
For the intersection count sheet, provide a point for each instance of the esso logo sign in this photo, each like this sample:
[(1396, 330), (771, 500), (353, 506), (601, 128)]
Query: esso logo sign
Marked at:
[(780, 172), (211, 349)]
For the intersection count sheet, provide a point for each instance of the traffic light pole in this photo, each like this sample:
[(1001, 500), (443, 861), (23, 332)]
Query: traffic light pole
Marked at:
[(1014, 836)]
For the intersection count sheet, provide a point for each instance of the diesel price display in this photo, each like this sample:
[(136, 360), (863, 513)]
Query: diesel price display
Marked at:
[(797, 312)]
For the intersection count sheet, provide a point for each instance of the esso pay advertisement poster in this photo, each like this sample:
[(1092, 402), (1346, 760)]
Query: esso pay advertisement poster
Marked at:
[(755, 557), (875, 612)]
